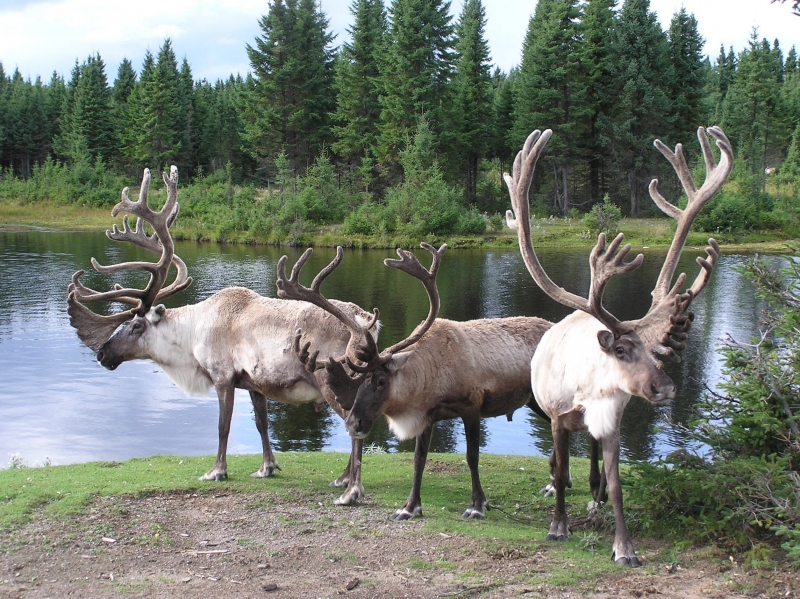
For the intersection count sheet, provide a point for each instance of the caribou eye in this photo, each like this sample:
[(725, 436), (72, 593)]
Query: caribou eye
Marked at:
[(136, 327), (620, 351)]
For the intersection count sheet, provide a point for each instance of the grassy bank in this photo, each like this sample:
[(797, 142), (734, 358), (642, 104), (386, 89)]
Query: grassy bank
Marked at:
[(547, 232)]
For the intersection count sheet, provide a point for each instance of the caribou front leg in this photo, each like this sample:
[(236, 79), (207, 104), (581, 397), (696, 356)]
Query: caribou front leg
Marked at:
[(413, 506), (559, 528), (622, 552), (225, 396), (354, 491), (472, 431), (268, 463)]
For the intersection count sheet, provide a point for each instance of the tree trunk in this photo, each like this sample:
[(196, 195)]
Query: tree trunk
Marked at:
[(634, 193)]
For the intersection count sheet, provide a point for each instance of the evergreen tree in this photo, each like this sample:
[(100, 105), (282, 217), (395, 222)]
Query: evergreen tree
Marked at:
[(601, 94), (358, 85), (753, 113), (86, 128), (686, 86), (123, 87), (639, 64), (472, 92), (500, 136), (290, 95), (156, 130), (550, 92), (415, 75)]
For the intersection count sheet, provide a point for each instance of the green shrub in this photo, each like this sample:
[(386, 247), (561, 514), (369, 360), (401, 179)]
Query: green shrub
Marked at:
[(603, 218), (472, 223), (727, 212)]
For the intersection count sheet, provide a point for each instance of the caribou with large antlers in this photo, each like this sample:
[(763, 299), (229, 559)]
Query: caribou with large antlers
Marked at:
[(443, 370), (234, 339), (587, 366)]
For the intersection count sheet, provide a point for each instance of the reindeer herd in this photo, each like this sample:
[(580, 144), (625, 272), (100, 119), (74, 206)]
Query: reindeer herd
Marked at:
[(578, 373)]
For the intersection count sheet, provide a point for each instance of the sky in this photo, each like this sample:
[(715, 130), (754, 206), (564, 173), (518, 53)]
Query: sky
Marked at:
[(42, 36)]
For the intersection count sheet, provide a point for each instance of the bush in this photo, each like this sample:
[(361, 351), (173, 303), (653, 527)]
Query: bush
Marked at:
[(472, 223), (727, 212), (603, 218)]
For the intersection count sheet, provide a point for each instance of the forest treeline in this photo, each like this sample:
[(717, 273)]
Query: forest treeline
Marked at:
[(407, 127)]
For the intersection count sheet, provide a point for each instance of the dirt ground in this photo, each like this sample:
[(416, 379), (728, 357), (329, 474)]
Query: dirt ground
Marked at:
[(224, 546)]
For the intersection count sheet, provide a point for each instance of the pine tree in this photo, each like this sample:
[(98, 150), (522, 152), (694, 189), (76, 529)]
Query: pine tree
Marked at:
[(290, 95), (639, 64), (753, 114), (686, 88), (156, 129), (415, 75), (550, 92), (601, 94), (472, 92), (500, 136), (358, 85)]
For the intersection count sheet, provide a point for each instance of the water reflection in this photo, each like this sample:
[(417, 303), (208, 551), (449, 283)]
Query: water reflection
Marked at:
[(57, 403)]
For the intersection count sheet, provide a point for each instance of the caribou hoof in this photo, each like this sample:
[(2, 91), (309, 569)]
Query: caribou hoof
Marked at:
[(473, 514), (632, 561), (548, 491), (406, 514), (266, 471), (342, 481), (351, 496), (214, 475), (556, 537)]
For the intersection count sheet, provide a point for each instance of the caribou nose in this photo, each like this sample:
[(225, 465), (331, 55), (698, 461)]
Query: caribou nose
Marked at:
[(355, 428)]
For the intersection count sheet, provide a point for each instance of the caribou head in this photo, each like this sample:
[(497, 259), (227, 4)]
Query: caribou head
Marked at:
[(116, 337), (361, 378)]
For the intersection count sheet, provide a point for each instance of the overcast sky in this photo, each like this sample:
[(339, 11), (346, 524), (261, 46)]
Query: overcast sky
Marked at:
[(39, 37)]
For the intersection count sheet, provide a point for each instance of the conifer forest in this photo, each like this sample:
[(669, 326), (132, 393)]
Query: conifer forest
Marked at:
[(407, 127)]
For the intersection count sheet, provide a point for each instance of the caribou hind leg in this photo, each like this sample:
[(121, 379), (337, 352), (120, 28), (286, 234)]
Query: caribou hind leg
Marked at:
[(413, 505), (597, 477), (472, 432), (354, 491), (225, 396), (268, 465)]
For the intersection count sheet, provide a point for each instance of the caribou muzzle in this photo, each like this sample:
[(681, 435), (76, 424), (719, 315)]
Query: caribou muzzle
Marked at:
[(356, 427), (108, 359)]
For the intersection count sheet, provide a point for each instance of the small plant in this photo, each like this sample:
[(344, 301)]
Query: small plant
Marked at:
[(603, 218), (374, 449)]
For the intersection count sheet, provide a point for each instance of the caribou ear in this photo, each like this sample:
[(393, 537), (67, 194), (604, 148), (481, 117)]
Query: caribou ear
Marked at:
[(156, 313), (605, 339), (398, 361)]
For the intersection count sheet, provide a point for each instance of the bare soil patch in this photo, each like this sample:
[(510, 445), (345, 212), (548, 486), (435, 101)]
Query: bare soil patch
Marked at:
[(230, 546)]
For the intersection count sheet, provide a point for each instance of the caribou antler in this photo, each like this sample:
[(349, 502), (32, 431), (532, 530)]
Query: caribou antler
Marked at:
[(95, 329), (666, 324), (360, 357), (605, 262)]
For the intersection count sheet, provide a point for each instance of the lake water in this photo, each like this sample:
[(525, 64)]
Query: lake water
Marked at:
[(58, 404)]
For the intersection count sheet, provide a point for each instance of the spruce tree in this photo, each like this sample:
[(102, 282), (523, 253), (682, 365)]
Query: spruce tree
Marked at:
[(550, 92), (290, 94), (355, 128), (639, 65), (686, 88), (472, 93), (501, 132), (415, 76), (601, 95)]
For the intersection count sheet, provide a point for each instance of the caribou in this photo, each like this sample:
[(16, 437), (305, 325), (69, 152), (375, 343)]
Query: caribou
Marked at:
[(236, 338), (443, 370), (587, 367)]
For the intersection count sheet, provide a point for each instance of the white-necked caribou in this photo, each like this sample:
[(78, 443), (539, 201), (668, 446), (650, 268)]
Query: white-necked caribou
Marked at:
[(234, 339), (588, 365)]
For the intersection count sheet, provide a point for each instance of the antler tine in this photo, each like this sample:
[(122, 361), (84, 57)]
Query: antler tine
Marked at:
[(716, 175), (290, 288), (409, 264), (605, 264)]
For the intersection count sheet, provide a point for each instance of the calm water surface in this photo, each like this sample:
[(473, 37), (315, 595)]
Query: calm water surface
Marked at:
[(57, 403)]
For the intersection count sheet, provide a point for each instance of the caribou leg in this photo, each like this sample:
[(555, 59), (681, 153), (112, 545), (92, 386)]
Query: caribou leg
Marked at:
[(559, 528), (225, 396), (413, 506), (622, 551), (354, 491), (346, 477), (472, 432), (268, 464), (597, 477)]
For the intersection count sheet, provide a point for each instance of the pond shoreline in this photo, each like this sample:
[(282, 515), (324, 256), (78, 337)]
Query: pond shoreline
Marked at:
[(647, 233)]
